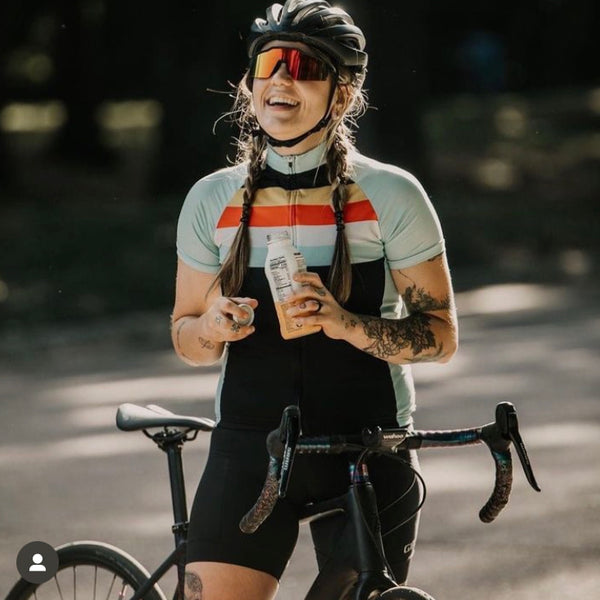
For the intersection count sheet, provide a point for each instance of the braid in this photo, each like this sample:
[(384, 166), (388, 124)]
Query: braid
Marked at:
[(233, 270), (340, 273)]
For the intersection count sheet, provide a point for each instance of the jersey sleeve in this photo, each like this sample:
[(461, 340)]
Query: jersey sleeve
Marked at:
[(410, 229), (198, 220)]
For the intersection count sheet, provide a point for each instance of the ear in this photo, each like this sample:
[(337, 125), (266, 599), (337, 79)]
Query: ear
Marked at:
[(341, 100)]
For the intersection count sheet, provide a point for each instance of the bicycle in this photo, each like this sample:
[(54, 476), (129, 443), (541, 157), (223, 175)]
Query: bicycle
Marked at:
[(359, 571)]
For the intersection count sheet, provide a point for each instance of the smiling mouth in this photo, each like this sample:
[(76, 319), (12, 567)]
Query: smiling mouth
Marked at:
[(282, 101)]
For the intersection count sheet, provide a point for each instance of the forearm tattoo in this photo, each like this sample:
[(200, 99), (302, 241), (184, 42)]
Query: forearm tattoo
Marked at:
[(389, 337), (204, 343), (193, 586)]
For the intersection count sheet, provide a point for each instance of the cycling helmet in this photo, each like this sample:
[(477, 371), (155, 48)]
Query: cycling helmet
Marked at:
[(316, 23)]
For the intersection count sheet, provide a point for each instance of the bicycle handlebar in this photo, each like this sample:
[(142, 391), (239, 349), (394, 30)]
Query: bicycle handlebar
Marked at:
[(285, 441)]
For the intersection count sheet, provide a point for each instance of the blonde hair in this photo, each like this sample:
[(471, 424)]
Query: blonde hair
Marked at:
[(349, 104)]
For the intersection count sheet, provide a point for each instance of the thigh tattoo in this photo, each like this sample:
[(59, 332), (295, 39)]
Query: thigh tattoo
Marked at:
[(193, 586)]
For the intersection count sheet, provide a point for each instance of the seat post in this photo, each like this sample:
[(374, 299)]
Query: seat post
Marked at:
[(173, 449)]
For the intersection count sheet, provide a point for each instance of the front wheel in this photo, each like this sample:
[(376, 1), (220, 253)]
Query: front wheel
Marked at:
[(89, 570), (404, 593)]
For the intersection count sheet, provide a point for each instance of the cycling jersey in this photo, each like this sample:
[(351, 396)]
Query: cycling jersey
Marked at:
[(389, 223)]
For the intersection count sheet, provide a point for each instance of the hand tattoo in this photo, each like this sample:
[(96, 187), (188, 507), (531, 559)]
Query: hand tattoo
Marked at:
[(218, 319)]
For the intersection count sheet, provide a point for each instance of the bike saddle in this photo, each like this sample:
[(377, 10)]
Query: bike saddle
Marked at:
[(131, 417)]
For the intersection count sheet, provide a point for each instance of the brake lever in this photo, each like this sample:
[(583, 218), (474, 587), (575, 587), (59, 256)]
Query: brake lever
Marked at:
[(289, 433), (508, 427)]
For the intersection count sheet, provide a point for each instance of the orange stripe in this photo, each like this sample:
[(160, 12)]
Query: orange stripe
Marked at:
[(305, 214)]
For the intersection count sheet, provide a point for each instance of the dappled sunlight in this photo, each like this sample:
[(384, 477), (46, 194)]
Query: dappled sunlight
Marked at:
[(509, 297), (150, 524), (48, 116), (20, 117), (433, 372), (130, 114), (140, 389), (560, 435), (119, 443)]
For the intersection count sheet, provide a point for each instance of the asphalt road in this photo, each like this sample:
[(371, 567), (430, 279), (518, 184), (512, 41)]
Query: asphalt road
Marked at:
[(67, 473)]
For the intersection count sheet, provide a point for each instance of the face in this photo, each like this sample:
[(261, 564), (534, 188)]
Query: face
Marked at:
[(286, 108)]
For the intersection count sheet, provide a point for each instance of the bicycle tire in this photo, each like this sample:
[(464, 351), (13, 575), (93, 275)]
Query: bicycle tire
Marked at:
[(404, 593), (102, 565)]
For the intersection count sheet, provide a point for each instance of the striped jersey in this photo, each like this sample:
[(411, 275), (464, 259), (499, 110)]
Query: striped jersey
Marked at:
[(389, 223)]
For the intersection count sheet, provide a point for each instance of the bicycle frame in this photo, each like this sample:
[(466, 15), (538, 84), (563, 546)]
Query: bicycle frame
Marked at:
[(357, 568)]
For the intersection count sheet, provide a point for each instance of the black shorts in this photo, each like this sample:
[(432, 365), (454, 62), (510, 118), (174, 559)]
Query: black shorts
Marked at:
[(233, 479)]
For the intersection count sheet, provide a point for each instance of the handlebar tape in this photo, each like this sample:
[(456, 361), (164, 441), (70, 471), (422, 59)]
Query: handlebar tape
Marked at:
[(255, 517), (502, 486)]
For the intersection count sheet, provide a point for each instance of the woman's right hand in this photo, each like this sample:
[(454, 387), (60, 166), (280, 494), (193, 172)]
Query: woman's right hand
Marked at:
[(219, 325)]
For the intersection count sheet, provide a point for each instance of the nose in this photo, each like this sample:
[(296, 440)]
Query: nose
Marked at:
[(282, 75)]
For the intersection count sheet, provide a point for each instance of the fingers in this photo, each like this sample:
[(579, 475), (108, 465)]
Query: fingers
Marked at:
[(305, 308), (311, 280), (222, 318)]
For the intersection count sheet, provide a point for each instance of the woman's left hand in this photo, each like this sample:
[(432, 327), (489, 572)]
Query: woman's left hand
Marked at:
[(315, 305)]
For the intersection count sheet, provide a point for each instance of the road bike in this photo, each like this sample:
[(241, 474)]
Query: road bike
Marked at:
[(96, 570)]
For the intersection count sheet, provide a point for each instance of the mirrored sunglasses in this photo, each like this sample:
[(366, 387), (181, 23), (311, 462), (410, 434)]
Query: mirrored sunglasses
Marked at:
[(300, 66)]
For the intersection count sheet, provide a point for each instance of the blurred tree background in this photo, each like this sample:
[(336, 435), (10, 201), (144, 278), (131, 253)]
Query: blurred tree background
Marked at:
[(109, 112)]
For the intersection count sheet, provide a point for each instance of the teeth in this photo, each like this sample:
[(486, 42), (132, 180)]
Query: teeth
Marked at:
[(281, 100)]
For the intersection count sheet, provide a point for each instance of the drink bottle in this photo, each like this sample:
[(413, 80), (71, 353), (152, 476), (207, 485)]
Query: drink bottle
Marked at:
[(283, 262)]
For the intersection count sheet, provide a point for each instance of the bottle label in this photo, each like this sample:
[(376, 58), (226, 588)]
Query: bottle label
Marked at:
[(283, 262), (281, 278)]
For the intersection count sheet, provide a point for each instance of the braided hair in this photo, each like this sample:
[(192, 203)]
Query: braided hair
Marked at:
[(251, 150)]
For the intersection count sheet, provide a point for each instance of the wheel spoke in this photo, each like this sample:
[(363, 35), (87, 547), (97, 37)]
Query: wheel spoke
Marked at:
[(122, 592), (58, 587), (111, 586), (94, 573), (95, 580)]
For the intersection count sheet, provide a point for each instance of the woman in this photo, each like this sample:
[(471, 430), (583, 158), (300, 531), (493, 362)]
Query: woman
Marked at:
[(378, 285)]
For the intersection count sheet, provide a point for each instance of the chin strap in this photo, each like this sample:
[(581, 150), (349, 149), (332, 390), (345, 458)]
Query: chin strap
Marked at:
[(320, 125)]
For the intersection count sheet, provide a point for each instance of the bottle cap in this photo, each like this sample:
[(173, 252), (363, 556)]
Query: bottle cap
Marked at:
[(249, 319)]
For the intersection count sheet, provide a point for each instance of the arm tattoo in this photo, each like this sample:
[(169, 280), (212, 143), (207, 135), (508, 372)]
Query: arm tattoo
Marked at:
[(390, 336), (193, 586), (178, 341), (421, 301), (206, 343)]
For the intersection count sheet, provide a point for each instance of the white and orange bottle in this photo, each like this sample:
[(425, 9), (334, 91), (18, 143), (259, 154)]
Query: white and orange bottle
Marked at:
[(283, 262)]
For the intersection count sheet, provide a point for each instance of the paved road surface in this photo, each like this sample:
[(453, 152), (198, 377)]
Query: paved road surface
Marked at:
[(66, 473)]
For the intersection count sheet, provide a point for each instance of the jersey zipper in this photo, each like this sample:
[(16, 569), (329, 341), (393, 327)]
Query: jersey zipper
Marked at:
[(292, 198), (292, 195)]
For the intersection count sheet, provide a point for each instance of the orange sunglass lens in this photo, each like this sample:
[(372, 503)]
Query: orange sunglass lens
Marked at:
[(300, 66)]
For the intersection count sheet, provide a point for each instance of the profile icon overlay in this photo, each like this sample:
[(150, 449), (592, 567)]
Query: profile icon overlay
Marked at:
[(37, 562)]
